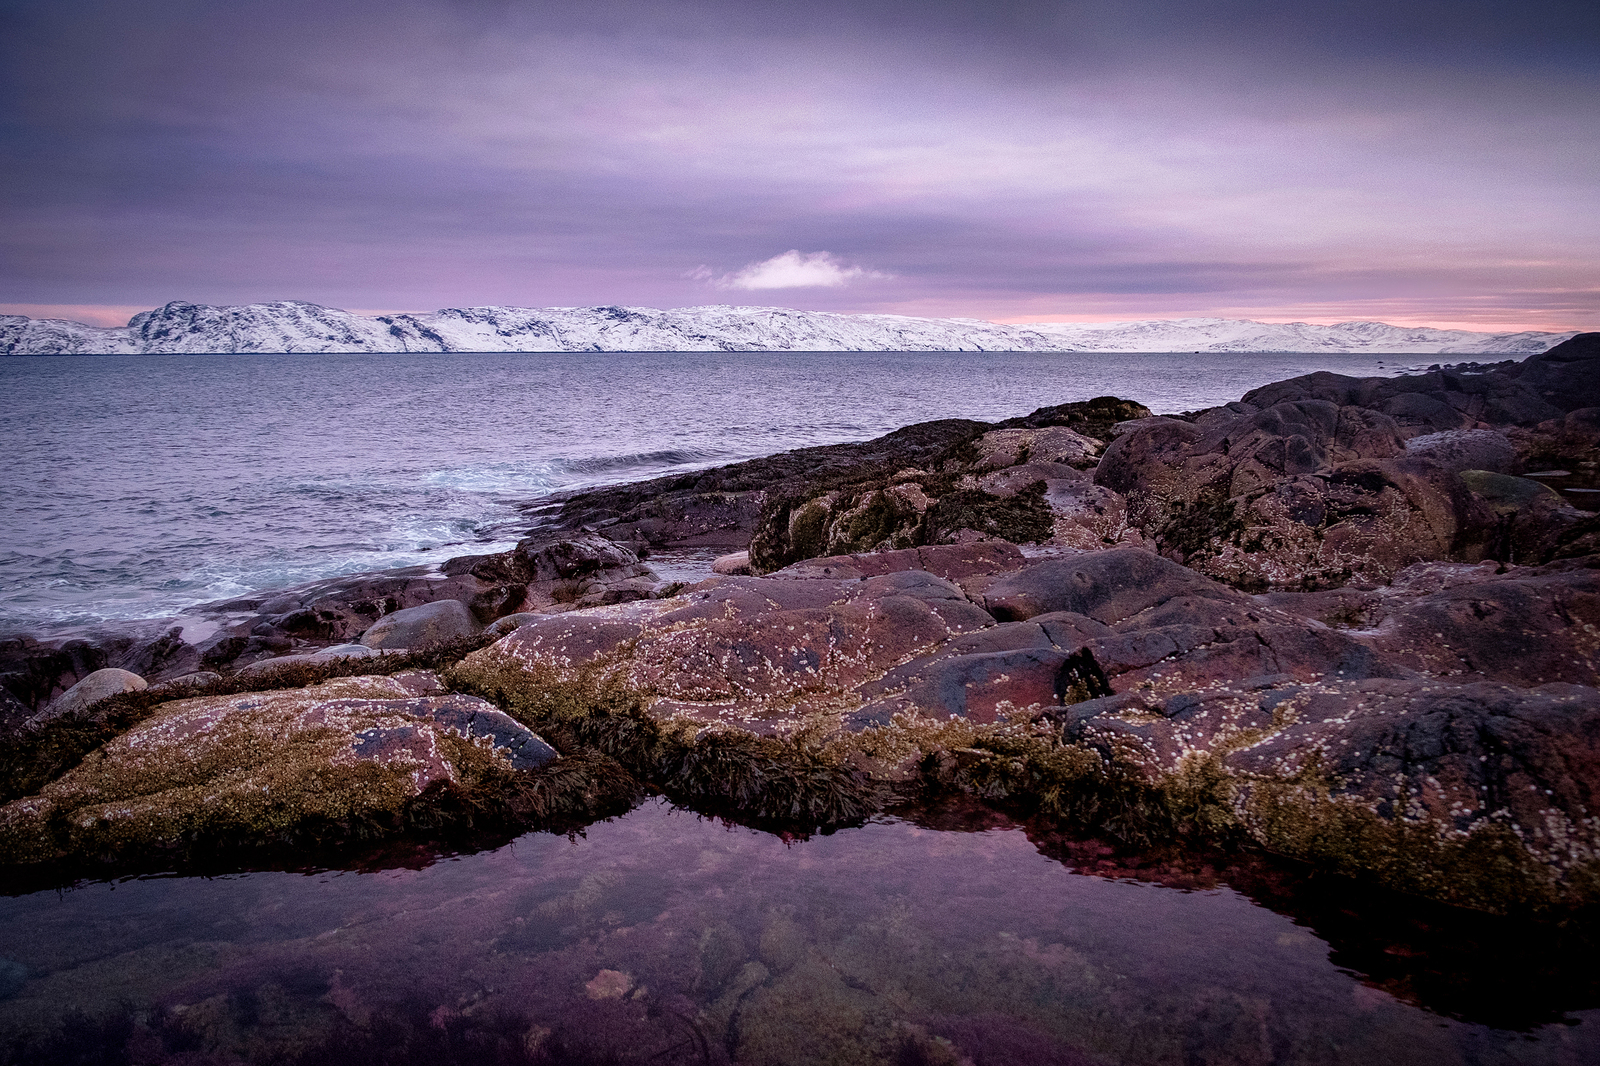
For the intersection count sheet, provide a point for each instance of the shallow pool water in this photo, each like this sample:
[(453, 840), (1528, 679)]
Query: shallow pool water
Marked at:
[(664, 937)]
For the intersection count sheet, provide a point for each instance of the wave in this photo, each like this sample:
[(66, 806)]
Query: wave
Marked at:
[(665, 458)]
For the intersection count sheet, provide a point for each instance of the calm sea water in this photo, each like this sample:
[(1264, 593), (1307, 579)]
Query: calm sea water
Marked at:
[(664, 938), (136, 486)]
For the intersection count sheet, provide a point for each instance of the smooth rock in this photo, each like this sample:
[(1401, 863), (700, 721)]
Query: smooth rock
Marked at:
[(97, 686), (416, 627), (735, 564), (1466, 449)]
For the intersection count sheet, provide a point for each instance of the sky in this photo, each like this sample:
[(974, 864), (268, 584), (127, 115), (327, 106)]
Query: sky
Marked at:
[(1423, 162)]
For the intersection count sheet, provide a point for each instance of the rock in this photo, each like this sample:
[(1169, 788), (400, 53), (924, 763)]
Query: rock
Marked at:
[(949, 561), (266, 767), (97, 686), (1478, 794), (572, 557), (511, 622), (187, 681), (1465, 449), (13, 713), (1524, 627), (344, 651), (735, 564), (416, 627), (1506, 494), (770, 654), (725, 506), (1001, 448), (1308, 495), (1107, 586), (623, 591)]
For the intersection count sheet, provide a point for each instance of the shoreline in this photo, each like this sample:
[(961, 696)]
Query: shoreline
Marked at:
[(1221, 628)]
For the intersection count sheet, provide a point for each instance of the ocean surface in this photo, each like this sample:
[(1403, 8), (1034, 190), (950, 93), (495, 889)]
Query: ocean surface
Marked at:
[(136, 486)]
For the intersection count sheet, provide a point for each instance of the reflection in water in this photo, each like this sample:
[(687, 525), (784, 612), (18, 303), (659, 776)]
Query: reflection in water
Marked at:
[(662, 937)]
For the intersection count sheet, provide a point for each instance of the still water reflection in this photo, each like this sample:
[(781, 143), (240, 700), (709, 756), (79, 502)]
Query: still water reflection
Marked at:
[(663, 937)]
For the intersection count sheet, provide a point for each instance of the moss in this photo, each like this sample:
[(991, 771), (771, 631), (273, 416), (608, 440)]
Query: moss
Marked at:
[(264, 784), (808, 531), (1095, 418)]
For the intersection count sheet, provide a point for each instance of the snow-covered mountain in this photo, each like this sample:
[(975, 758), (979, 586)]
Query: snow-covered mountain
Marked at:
[(292, 326)]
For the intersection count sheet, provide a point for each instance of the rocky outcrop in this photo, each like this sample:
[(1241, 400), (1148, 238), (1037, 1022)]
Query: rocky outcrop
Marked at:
[(1317, 482), (416, 627), (1325, 481), (548, 573), (339, 759), (970, 664)]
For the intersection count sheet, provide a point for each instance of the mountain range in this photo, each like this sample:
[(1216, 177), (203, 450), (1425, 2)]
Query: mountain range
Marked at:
[(295, 326)]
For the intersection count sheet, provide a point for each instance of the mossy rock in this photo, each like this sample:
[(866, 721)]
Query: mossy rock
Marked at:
[(352, 758)]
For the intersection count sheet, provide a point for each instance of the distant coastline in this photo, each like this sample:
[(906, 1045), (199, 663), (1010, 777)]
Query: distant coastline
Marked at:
[(291, 327)]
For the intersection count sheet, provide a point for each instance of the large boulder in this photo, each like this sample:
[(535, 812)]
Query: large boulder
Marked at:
[(416, 627), (270, 768), (97, 686)]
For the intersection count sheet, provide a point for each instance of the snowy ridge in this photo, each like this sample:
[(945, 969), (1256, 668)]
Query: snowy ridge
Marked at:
[(293, 326)]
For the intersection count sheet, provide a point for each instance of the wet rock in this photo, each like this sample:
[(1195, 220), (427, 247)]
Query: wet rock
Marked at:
[(734, 564), (723, 507), (97, 686), (1506, 494), (416, 627), (267, 767), (509, 623), (1472, 771)]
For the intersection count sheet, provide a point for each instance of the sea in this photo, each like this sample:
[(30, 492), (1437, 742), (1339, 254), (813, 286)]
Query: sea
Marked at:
[(135, 487)]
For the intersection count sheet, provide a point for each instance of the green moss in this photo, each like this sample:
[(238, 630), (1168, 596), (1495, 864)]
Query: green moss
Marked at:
[(808, 532)]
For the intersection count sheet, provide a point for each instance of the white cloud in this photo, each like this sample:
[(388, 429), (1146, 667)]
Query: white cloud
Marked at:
[(793, 269)]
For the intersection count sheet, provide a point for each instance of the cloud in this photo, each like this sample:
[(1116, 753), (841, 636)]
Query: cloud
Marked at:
[(793, 269)]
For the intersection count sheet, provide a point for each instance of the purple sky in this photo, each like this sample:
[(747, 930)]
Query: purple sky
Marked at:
[(1420, 162)]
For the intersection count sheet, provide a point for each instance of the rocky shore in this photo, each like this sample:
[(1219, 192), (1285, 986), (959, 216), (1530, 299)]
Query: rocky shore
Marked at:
[(1349, 621)]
